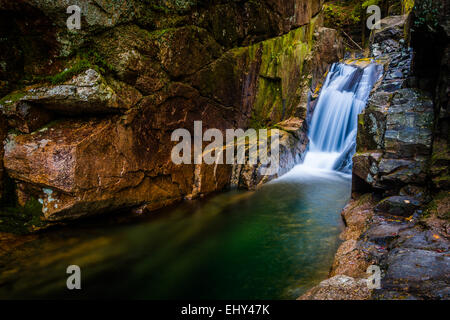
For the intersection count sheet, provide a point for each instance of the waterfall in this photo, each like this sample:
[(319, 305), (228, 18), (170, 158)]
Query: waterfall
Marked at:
[(333, 127)]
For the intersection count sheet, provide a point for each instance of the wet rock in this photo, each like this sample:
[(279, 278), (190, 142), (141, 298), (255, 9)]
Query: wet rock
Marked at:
[(391, 29), (409, 126), (398, 205), (419, 193), (397, 172), (383, 233), (339, 287), (365, 166), (422, 273), (415, 238), (293, 141), (78, 168)]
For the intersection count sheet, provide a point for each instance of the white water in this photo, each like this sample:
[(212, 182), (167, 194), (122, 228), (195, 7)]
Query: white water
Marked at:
[(332, 133)]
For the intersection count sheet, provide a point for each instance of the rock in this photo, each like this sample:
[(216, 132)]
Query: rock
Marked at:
[(3, 134), (177, 44), (394, 172), (383, 233), (25, 116), (293, 141), (328, 49), (422, 273), (440, 164), (403, 129), (339, 288), (79, 168), (356, 215), (415, 238), (88, 92), (409, 126), (398, 205), (365, 166), (350, 260), (395, 130), (153, 70), (391, 29)]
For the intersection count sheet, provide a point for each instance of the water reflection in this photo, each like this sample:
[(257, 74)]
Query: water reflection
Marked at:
[(273, 243)]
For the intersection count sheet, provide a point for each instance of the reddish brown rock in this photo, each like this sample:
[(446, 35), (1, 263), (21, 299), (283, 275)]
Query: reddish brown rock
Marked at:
[(339, 287), (350, 260), (85, 167), (356, 215)]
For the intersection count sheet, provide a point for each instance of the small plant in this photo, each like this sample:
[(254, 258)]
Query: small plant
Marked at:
[(84, 60)]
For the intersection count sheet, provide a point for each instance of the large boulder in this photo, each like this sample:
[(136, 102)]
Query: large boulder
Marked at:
[(78, 168)]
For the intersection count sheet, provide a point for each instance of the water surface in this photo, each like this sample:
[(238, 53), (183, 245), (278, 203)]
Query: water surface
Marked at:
[(274, 243)]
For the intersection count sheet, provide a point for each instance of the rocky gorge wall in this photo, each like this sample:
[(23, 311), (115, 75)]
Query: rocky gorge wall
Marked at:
[(398, 219), (87, 115)]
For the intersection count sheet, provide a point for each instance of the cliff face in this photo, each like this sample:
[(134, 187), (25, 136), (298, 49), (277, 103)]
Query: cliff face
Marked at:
[(398, 219), (88, 114)]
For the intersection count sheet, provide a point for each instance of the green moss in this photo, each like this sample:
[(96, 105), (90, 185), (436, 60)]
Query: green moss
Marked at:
[(432, 207), (281, 72), (22, 220), (85, 59), (12, 97), (65, 75)]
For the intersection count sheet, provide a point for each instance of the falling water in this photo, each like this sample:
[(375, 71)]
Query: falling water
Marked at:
[(333, 127)]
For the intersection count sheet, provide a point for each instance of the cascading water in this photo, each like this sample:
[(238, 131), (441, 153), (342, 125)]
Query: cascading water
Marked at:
[(333, 127)]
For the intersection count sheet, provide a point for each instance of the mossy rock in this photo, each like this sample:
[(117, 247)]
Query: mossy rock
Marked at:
[(22, 220)]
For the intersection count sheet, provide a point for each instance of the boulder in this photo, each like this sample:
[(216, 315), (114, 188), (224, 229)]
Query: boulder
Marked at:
[(87, 92), (292, 141), (383, 232), (339, 287), (398, 205), (419, 272), (77, 168)]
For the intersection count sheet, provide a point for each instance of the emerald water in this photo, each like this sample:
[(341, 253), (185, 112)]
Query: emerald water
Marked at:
[(273, 243)]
